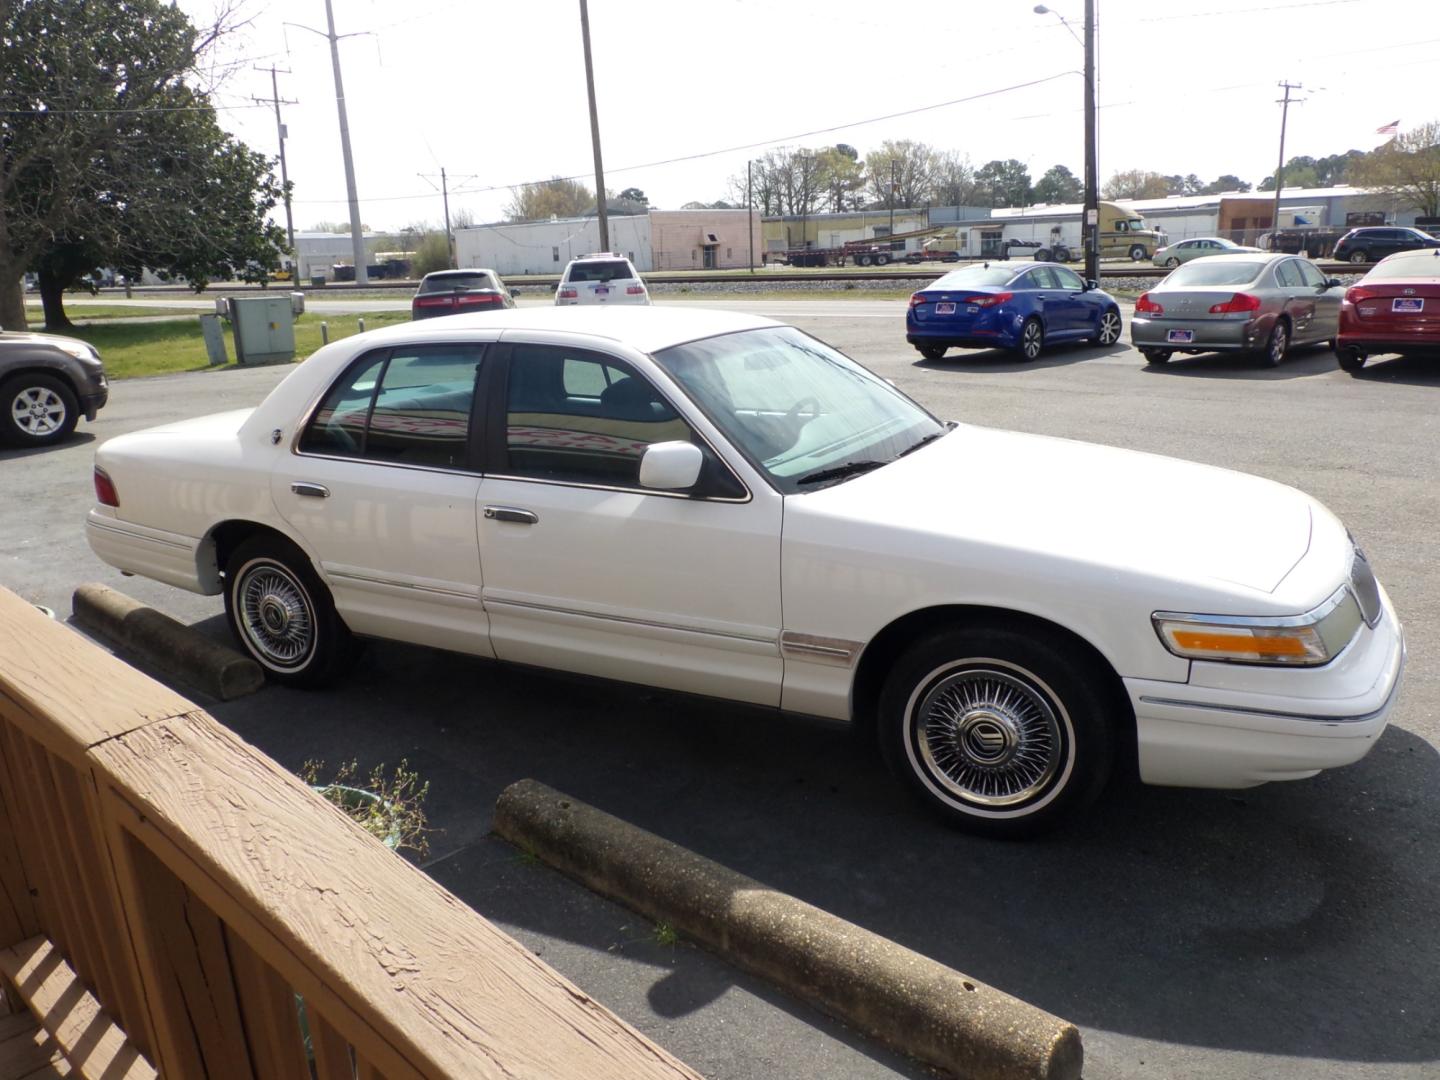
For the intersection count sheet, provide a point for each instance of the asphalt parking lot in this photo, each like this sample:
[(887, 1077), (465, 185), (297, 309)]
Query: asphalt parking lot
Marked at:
[(1288, 931)]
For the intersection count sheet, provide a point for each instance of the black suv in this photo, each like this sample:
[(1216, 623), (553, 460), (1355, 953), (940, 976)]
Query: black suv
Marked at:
[(1373, 244), (46, 382)]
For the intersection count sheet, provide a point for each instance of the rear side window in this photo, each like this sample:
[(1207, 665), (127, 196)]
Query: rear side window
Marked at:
[(411, 407), (600, 271)]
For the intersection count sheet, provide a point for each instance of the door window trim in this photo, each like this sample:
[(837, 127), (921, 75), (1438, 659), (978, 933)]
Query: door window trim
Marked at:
[(474, 459), (494, 449)]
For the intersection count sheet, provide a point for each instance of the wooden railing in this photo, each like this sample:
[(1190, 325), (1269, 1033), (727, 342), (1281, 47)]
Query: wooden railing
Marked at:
[(196, 888)]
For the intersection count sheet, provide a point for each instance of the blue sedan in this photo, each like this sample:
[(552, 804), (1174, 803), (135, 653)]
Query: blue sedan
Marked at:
[(985, 306)]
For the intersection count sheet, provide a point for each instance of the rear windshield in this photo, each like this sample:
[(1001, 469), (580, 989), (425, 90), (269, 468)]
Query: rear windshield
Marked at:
[(600, 271), (981, 274), (450, 282), (1419, 265), (1210, 272)]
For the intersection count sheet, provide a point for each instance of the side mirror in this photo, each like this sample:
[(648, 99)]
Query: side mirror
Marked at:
[(1091, 284), (1332, 283), (671, 466), (514, 292)]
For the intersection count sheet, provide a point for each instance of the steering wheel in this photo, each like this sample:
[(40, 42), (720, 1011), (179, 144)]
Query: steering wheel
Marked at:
[(800, 407)]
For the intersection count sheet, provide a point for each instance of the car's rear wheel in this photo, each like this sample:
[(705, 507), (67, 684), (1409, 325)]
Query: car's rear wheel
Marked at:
[(282, 614), (932, 352), (37, 410), (1350, 359), (1359, 257), (1156, 356), (1000, 730), (1109, 330), (1032, 339), (1277, 345)]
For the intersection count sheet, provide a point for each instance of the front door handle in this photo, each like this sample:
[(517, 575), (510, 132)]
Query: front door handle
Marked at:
[(516, 514), (314, 491)]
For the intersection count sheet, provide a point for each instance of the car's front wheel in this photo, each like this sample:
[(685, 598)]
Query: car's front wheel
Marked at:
[(36, 410), (1000, 730), (1172, 262), (282, 614), (1108, 332)]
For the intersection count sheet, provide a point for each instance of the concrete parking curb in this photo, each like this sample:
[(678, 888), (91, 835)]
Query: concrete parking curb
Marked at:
[(891, 993), (169, 645)]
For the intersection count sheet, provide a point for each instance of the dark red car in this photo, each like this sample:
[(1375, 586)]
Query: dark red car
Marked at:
[(454, 292), (1395, 308)]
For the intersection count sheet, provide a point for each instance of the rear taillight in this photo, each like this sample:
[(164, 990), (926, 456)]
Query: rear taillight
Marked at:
[(1146, 306), (472, 301), (989, 299), (569, 294), (1356, 293), (635, 290), (432, 301), (1239, 302), (105, 493), (916, 299)]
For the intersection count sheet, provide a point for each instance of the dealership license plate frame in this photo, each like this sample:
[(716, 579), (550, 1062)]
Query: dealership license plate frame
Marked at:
[(1180, 337), (1407, 305), (944, 309)]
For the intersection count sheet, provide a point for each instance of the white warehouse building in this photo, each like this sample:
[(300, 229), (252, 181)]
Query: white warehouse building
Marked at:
[(544, 247)]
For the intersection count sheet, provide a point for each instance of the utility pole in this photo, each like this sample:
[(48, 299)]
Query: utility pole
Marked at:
[(1092, 181), (1284, 104), (750, 211), (449, 236), (892, 196), (600, 202), (284, 173)]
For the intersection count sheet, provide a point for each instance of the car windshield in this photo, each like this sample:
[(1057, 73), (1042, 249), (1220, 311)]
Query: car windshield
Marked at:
[(450, 282), (797, 409), (600, 271), (982, 274), (1426, 265), (1215, 272)]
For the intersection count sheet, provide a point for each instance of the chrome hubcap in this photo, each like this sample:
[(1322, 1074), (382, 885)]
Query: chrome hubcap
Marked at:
[(988, 737), (1277, 345), (38, 411), (1032, 340), (276, 616)]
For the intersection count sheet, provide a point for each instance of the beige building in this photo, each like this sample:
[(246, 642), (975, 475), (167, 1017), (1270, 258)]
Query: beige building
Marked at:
[(704, 239)]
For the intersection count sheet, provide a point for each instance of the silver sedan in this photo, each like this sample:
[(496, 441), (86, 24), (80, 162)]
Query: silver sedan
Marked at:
[(1182, 251), (1262, 303)]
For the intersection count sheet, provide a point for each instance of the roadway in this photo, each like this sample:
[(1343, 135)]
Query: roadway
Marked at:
[(1286, 932)]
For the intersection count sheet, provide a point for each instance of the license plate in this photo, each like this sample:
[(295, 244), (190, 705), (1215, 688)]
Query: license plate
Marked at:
[(1407, 304), (944, 309), (1180, 337), (601, 290)]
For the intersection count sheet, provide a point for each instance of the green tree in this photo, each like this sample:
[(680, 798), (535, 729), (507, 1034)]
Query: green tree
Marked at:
[(1299, 173), (108, 156), (1059, 185), (1003, 183), (635, 195), (1228, 182), (1407, 167), (843, 178), (556, 197), (431, 253), (1135, 184)]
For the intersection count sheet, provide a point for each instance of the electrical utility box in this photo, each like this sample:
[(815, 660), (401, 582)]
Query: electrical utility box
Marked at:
[(264, 328)]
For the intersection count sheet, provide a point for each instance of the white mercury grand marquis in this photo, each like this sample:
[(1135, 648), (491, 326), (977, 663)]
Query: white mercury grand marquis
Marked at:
[(724, 505)]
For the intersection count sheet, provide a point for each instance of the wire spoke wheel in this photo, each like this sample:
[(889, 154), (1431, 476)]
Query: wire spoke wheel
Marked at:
[(38, 411), (989, 736), (276, 615)]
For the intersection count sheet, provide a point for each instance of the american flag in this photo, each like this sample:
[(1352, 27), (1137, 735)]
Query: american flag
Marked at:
[(1392, 128)]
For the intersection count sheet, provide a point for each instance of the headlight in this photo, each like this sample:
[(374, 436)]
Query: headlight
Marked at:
[(79, 350), (1316, 637)]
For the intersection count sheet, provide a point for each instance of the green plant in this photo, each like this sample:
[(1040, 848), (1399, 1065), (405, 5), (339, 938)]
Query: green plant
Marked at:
[(390, 808), (666, 936)]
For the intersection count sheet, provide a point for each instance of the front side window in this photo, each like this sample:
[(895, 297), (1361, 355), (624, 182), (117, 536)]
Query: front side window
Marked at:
[(1310, 274), (1067, 279), (803, 413), (410, 406), (580, 417)]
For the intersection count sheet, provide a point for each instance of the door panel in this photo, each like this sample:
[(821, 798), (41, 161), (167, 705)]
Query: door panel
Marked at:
[(380, 493), (586, 572)]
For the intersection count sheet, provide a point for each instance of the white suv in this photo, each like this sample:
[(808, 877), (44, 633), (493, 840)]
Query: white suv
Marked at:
[(603, 278)]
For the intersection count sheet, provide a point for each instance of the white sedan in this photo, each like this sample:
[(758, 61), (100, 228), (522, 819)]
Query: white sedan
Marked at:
[(721, 504)]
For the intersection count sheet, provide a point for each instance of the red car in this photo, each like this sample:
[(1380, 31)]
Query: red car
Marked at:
[(1395, 308)]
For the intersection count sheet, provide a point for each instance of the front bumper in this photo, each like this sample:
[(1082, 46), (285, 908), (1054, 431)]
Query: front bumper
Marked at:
[(1255, 725), (1211, 335)]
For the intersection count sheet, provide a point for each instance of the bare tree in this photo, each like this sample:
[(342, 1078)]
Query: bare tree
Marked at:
[(954, 179), (1407, 167), (903, 171)]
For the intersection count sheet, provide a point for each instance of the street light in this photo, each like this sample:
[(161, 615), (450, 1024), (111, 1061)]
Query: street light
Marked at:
[(1090, 226)]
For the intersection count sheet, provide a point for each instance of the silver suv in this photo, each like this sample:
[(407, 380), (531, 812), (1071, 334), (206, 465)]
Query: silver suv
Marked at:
[(602, 278)]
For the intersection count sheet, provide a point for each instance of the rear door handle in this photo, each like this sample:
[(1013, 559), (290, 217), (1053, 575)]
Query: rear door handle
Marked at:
[(516, 514), (314, 491)]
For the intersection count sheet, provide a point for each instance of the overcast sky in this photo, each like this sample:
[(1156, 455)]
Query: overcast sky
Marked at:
[(495, 91)]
